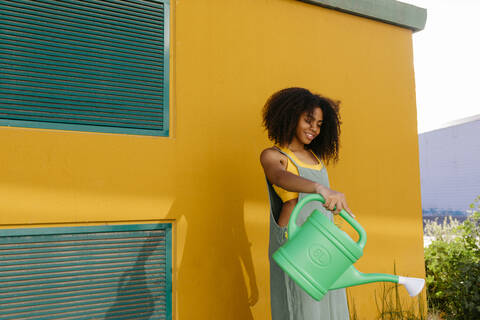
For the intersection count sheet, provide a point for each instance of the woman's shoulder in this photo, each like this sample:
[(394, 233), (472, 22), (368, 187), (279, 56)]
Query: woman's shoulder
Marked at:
[(272, 151), (272, 154)]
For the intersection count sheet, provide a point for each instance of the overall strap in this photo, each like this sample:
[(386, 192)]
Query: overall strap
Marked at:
[(275, 201), (318, 159), (288, 156)]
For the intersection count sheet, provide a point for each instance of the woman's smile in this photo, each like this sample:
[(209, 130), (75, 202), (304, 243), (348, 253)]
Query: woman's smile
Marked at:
[(310, 136)]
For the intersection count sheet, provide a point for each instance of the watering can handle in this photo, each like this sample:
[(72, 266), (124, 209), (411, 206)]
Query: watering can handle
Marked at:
[(293, 227)]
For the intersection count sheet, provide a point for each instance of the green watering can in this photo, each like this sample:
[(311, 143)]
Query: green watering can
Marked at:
[(319, 256)]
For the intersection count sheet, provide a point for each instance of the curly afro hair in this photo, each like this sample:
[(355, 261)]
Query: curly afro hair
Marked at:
[(282, 112)]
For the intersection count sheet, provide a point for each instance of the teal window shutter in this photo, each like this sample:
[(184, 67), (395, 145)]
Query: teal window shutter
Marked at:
[(87, 65), (97, 272)]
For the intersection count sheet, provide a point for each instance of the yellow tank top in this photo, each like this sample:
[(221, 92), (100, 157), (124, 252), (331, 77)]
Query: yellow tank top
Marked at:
[(288, 195)]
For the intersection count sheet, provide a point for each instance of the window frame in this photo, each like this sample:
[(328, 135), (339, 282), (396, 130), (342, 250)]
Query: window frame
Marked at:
[(8, 237), (116, 130)]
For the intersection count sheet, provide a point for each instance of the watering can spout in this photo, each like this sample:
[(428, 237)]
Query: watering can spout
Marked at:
[(353, 277)]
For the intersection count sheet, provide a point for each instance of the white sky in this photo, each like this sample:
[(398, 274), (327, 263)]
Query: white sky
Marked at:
[(447, 62)]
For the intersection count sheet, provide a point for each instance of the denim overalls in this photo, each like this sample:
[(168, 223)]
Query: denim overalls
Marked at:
[(288, 300)]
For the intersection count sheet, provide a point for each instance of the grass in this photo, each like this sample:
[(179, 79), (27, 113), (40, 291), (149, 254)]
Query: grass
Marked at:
[(390, 306)]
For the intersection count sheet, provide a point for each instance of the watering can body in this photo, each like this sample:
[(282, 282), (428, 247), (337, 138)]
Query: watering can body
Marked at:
[(319, 256)]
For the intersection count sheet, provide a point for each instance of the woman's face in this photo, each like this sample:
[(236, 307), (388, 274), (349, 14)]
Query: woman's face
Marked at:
[(308, 126)]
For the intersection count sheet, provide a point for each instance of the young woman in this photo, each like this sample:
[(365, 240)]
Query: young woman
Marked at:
[(305, 128)]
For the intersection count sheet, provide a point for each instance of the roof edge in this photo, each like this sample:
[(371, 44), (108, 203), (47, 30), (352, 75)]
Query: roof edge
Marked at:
[(388, 11), (454, 123)]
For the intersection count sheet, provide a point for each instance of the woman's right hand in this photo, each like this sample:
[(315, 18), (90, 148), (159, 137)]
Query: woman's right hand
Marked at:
[(334, 201)]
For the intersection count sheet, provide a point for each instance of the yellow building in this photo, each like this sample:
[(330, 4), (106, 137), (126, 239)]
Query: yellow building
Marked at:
[(176, 164)]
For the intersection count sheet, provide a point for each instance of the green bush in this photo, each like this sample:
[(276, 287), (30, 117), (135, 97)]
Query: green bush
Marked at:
[(452, 263)]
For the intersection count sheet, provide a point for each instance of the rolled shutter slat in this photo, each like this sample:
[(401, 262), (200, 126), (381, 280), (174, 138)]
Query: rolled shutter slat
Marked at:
[(121, 10), (14, 99), (51, 279), (72, 71), (64, 21), (78, 84), (79, 92), (85, 112), (13, 41), (98, 297), (89, 65), (74, 81), (58, 34), (83, 287), (18, 272), (137, 7), (11, 23), (138, 112), (75, 120), (62, 9), (22, 93)]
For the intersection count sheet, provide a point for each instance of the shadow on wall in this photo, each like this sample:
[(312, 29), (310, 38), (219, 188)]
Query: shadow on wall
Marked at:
[(213, 262), (215, 272), (133, 286)]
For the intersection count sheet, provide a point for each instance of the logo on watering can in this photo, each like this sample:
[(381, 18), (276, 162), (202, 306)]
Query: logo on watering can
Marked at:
[(319, 255)]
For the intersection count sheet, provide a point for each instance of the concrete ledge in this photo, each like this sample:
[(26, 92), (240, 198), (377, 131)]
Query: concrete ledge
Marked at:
[(388, 11)]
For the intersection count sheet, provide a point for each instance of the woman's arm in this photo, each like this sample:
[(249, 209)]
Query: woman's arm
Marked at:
[(274, 165)]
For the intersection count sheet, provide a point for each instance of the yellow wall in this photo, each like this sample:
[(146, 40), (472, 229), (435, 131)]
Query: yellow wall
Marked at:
[(227, 57)]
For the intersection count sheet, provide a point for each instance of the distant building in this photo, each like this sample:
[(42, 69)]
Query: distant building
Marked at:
[(450, 167)]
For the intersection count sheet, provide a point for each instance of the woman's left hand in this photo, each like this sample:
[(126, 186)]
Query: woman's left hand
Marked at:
[(335, 201)]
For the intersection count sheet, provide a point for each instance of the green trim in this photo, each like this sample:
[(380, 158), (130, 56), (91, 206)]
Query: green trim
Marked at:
[(79, 127), (169, 271), (166, 72), (389, 11), (83, 229)]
